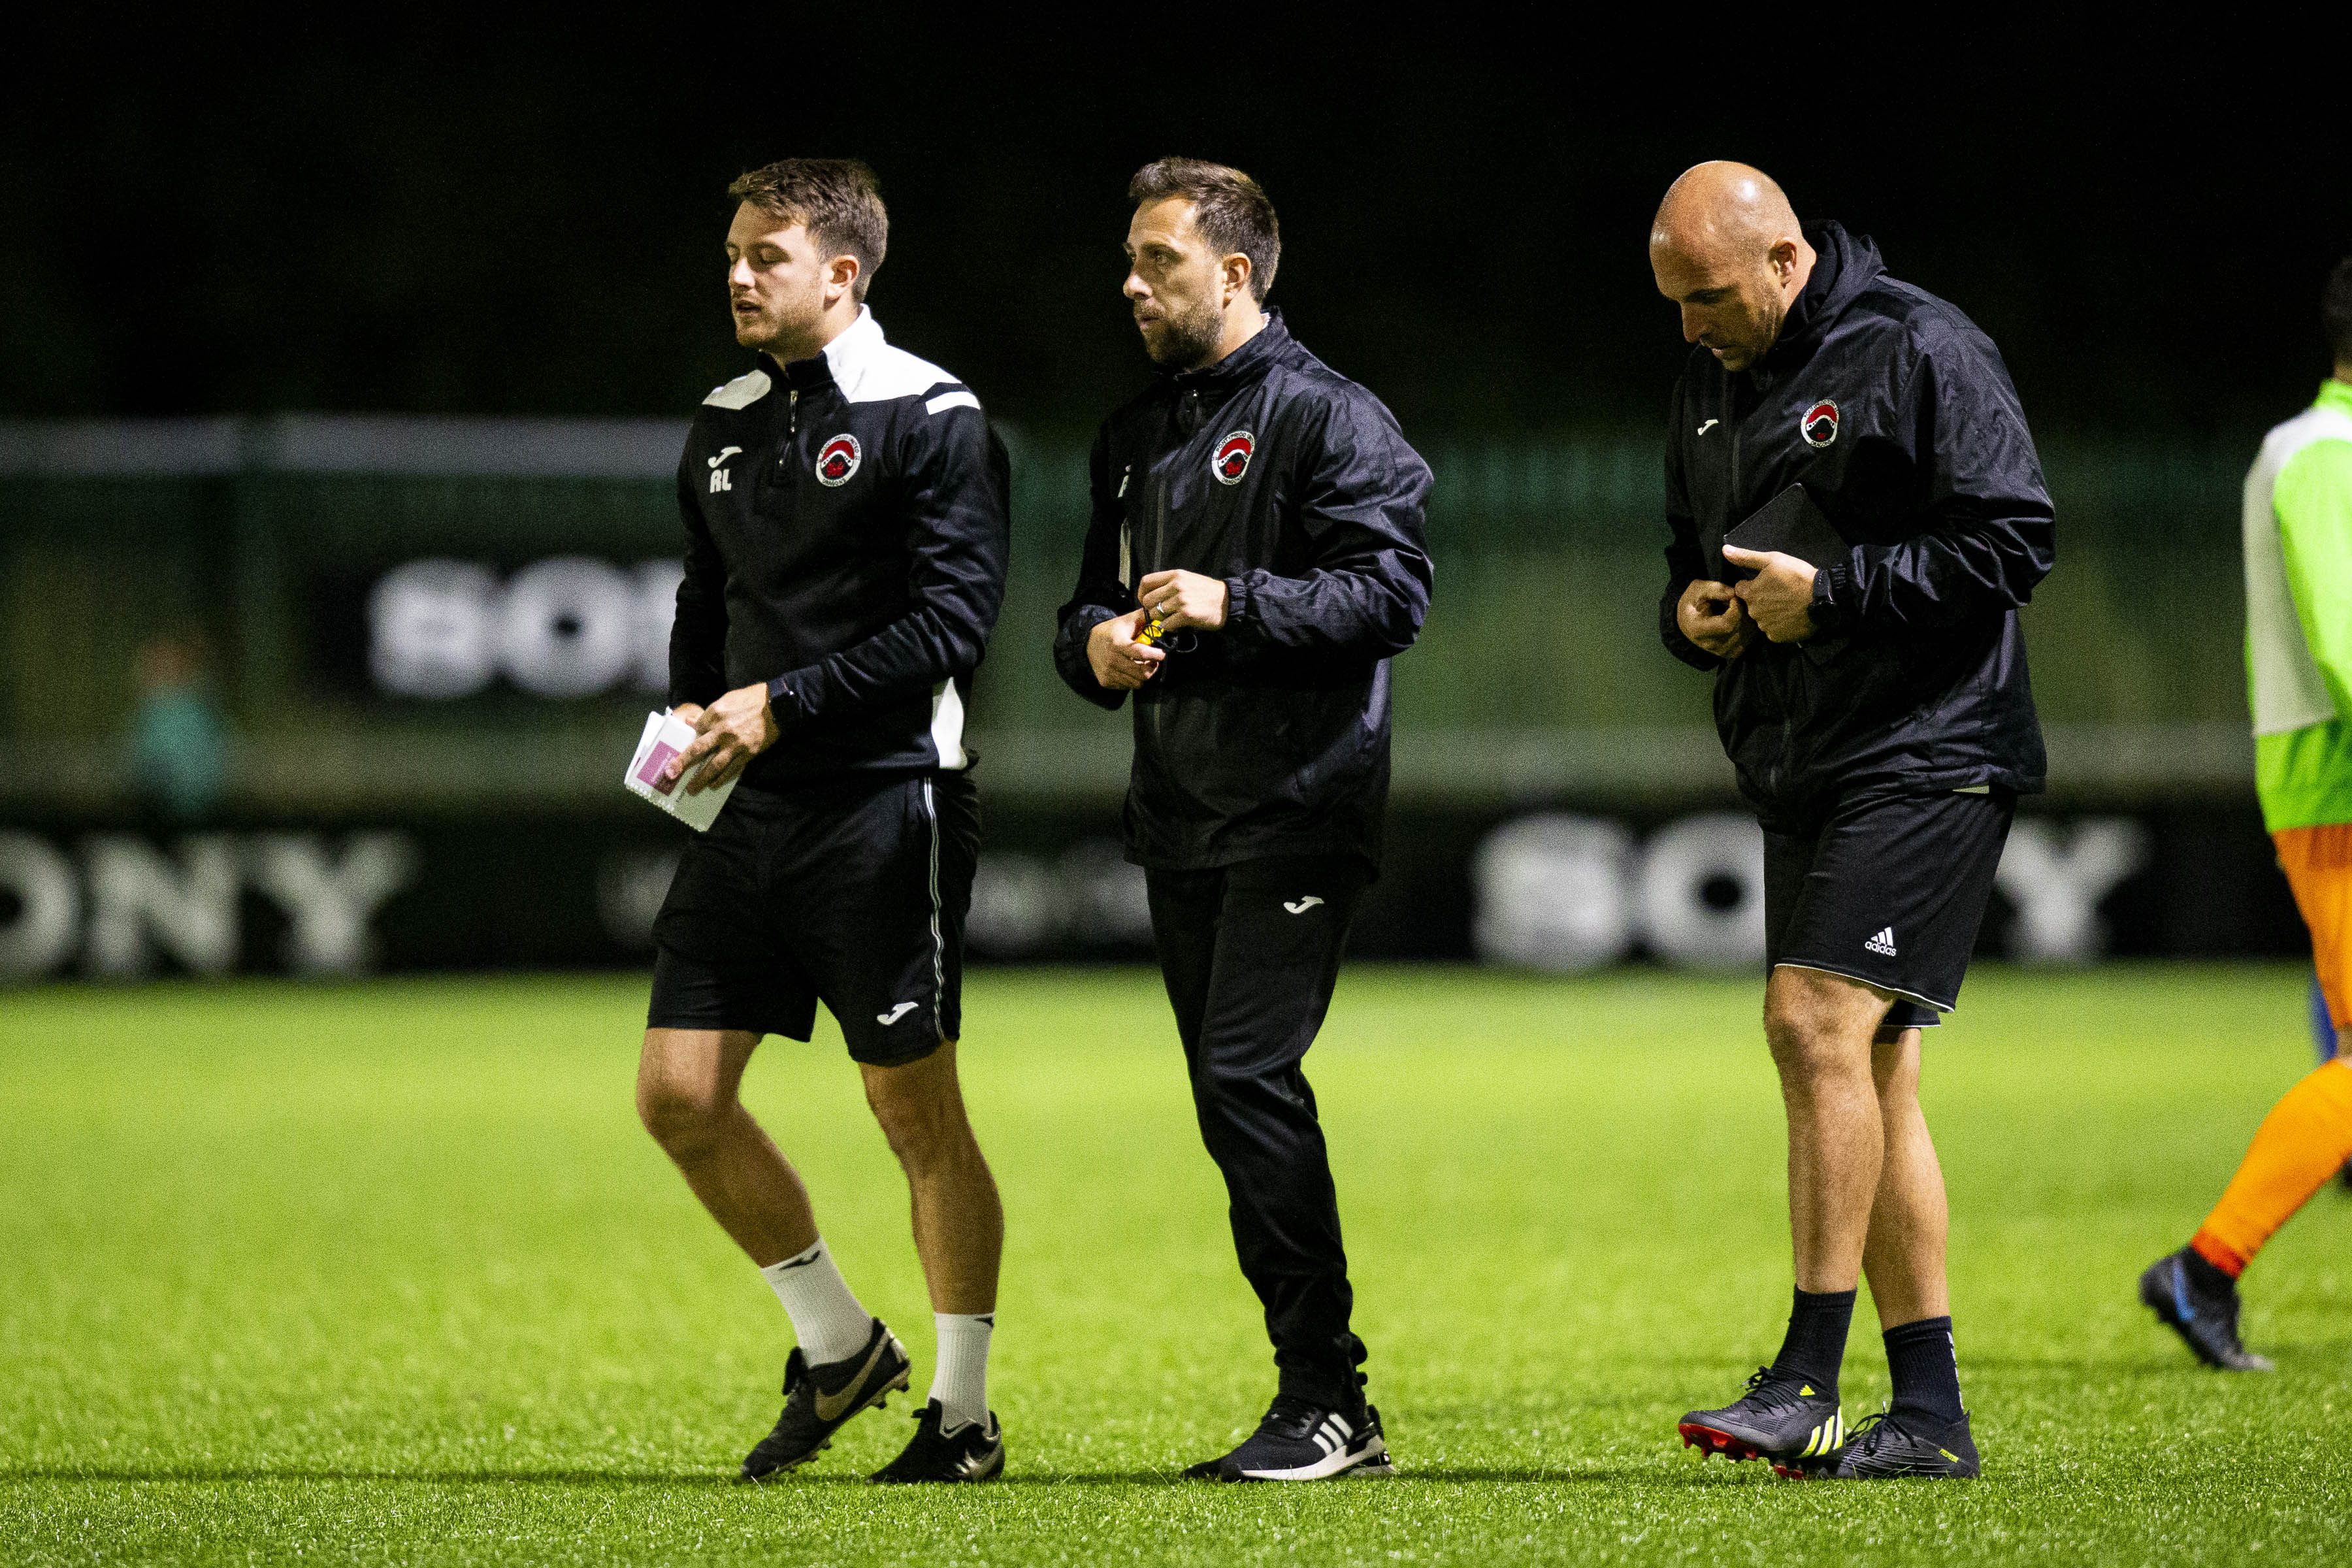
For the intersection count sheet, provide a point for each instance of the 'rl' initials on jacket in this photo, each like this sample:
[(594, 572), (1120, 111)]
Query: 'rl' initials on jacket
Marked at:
[(846, 525)]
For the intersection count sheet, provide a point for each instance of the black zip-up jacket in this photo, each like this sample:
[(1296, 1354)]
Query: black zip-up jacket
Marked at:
[(1897, 414), (846, 544), (1269, 736)]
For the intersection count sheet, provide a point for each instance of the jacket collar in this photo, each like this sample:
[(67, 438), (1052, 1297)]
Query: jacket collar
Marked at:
[(1245, 364), (1844, 264), (2335, 394), (839, 360)]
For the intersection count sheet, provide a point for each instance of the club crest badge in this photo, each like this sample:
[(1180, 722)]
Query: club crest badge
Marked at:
[(1819, 426), (837, 459), (1231, 460)]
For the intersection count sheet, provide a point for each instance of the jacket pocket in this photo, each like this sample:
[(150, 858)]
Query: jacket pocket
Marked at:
[(1822, 652)]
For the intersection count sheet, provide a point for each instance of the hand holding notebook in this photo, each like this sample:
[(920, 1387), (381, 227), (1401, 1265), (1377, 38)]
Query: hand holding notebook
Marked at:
[(1778, 594), (1788, 524), (664, 736)]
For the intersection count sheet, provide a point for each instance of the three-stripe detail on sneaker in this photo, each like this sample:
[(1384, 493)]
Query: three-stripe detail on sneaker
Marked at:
[(1332, 1434), (1826, 1435)]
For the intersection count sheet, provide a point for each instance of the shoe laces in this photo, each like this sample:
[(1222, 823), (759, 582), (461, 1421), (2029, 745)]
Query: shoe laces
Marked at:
[(1866, 1434), (1290, 1416), (1771, 1391)]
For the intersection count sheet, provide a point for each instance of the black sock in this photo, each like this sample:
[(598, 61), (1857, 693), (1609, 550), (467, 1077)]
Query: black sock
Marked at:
[(2204, 1278), (1816, 1340), (1926, 1377)]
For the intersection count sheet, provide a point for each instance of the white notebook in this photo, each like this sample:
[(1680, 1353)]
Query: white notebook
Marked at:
[(666, 735)]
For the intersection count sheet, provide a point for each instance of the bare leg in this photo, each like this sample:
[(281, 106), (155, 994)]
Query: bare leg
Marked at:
[(687, 1081), (959, 1221), (1819, 1027), (1904, 1256)]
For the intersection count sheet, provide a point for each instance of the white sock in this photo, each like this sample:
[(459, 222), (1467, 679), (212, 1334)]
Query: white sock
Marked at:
[(827, 1317), (960, 1383)]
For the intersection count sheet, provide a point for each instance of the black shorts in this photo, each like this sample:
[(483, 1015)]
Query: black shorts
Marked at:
[(853, 893), (1888, 890)]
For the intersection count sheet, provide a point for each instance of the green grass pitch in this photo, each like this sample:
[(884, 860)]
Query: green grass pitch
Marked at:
[(389, 1274)]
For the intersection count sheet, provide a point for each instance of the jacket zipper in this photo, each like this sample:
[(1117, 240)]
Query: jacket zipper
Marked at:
[(1153, 551), (1788, 724), (792, 429), (1731, 411)]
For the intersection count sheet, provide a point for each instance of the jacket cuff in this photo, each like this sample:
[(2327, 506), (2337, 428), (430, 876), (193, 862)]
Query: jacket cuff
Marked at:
[(1070, 660), (1071, 636), (1086, 618), (1691, 653), (1241, 612), (786, 703), (1832, 592)]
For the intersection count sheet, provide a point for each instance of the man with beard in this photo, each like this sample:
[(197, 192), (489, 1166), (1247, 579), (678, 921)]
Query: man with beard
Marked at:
[(1873, 699), (1254, 561), (845, 524)]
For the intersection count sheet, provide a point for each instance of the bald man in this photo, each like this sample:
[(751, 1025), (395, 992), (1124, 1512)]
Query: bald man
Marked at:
[(1870, 687)]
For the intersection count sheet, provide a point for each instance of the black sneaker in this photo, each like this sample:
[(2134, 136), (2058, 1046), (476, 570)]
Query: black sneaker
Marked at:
[(1779, 1418), (820, 1400), (939, 1453), (1892, 1444), (2206, 1319), (1299, 1440)]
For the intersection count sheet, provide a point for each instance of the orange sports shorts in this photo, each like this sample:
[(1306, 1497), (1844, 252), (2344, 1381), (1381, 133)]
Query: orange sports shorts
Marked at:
[(2318, 866)]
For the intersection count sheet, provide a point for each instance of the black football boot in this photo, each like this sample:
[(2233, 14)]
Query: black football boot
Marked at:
[(1781, 1419), (2205, 1319), (974, 1451), (820, 1400), (1898, 1443)]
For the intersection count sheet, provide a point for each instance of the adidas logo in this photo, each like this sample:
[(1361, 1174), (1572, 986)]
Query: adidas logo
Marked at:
[(1883, 944), (1825, 1436), (1332, 1434)]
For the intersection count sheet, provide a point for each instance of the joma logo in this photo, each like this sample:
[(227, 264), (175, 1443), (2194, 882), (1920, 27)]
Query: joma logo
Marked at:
[(721, 477)]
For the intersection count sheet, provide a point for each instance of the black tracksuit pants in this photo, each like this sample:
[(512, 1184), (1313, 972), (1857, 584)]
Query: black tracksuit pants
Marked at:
[(1250, 954)]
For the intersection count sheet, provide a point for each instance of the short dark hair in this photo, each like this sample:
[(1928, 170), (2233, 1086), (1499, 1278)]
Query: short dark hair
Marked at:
[(837, 200), (2336, 312), (1228, 206)]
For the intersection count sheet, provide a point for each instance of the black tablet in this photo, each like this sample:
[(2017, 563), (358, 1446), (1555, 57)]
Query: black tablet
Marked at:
[(1791, 524)]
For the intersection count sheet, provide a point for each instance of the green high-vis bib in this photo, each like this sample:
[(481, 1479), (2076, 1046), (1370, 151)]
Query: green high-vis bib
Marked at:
[(2298, 539)]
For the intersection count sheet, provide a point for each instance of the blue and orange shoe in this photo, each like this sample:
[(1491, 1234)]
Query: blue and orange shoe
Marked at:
[(2206, 1319)]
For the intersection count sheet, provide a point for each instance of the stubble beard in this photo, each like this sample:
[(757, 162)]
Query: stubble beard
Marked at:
[(779, 333), (1186, 342), (1766, 333)]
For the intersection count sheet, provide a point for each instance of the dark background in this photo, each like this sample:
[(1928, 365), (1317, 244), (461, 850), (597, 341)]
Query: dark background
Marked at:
[(472, 215)]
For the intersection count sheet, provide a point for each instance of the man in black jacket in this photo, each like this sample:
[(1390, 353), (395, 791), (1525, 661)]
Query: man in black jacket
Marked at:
[(845, 532), (1254, 560), (1875, 705)]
